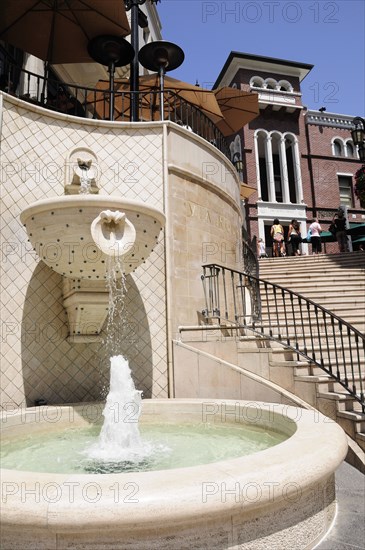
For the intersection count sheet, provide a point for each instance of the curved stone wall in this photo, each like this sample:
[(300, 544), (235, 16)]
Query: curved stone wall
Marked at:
[(160, 164)]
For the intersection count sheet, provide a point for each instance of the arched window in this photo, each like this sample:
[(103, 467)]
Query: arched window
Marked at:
[(256, 82), (337, 148), (350, 149), (284, 86), (278, 167), (270, 84)]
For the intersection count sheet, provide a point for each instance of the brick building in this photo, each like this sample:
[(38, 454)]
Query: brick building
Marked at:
[(301, 162)]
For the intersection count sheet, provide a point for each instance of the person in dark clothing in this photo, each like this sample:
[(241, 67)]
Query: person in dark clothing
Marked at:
[(339, 220), (66, 103), (295, 237)]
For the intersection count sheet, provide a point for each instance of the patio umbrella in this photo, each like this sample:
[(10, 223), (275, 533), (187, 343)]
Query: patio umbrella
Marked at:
[(326, 237), (356, 229), (358, 240), (58, 31), (238, 109), (149, 85)]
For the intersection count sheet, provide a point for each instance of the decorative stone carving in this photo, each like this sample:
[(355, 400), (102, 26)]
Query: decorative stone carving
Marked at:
[(113, 233), (81, 171), (76, 235)]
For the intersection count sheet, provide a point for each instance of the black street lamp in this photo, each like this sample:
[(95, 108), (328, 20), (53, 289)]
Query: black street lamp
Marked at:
[(238, 164), (358, 136), (133, 6)]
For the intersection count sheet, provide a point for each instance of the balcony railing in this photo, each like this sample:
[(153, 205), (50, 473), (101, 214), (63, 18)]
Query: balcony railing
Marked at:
[(83, 101)]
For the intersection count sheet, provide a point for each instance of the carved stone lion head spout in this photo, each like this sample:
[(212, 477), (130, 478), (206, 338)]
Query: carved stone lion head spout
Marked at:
[(84, 164), (113, 233)]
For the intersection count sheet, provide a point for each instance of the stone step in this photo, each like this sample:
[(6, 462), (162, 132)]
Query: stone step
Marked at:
[(355, 259), (345, 402), (355, 288), (355, 321), (311, 370), (342, 311), (325, 290), (306, 264), (324, 274), (357, 418), (325, 380), (320, 273), (336, 347), (360, 438)]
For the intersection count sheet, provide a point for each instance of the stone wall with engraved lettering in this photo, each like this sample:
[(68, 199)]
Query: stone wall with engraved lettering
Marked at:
[(204, 223)]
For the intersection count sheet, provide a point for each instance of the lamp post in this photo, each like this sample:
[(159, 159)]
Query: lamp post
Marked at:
[(358, 136), (161, 56), (112, 51), (133, 6)]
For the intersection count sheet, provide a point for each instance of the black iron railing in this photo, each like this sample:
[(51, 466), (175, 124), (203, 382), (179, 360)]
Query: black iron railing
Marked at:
[(250, 259), (279, 314), (94, 103)]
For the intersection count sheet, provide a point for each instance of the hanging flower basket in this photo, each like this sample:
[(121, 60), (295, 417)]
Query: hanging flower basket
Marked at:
[(359, 187)]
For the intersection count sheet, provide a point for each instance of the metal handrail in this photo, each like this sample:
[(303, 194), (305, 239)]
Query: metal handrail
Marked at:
[(287, 317), (84, 101), (250, 253)]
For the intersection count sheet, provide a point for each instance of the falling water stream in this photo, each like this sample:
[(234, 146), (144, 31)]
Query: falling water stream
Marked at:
[(85, 181)]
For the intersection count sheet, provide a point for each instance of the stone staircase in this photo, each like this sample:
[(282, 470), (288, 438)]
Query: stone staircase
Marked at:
[(337, 282)]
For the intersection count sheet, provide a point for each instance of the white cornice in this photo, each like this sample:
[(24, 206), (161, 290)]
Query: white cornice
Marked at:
[(333, 120), (238, 63), (277, 104)]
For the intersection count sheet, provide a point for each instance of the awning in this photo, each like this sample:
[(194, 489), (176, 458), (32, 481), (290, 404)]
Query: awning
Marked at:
[(246, 191)]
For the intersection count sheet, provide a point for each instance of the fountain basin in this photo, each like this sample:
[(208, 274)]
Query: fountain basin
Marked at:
[(280, 497), (60, 231)]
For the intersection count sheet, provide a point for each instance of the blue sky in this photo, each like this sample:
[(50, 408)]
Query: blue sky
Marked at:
[(328, 35)]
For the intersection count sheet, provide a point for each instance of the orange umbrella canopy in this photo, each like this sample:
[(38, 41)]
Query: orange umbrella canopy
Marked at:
[(238, 109), (149, 87), (58, 31)]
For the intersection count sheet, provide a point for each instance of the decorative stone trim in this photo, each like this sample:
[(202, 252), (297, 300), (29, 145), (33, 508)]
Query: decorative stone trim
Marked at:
[(332, 120)]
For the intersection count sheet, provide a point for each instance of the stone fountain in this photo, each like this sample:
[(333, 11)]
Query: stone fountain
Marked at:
[(282, 496), (76, 234)]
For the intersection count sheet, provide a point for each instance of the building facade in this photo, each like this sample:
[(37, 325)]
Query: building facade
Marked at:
[(302, 162)]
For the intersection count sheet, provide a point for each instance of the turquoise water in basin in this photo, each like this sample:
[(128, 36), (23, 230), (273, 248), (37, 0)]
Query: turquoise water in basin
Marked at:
[(168, 446)]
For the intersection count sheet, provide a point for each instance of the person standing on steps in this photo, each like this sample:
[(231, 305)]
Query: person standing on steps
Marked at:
[(294, 237), (316, 231), (261, 249), (339, 220), (277, 234)]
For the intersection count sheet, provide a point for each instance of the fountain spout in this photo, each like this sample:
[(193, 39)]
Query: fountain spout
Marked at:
[(85, 179), (113, 233)]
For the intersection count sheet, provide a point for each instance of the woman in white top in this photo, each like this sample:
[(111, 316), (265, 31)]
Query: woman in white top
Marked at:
[(316, 231)]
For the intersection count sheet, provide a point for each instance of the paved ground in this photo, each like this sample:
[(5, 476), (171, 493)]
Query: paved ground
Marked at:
[(348, 532)]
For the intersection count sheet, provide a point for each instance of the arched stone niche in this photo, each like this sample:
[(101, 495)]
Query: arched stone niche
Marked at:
[(81, 171)]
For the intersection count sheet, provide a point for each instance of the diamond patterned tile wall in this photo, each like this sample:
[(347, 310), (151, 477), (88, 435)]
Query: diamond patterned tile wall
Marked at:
[(37, 360)]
